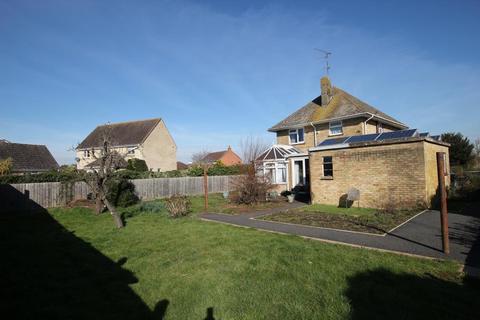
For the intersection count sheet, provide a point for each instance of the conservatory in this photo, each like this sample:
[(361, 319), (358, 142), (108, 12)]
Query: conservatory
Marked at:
[(274, 164)]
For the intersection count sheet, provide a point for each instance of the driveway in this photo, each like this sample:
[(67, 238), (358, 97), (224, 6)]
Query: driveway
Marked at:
[(420, 236)]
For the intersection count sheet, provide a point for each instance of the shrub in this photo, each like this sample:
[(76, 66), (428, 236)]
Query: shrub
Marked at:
[(250, 188), (151, 207), (177, 206), (137, 165), (121, 193)]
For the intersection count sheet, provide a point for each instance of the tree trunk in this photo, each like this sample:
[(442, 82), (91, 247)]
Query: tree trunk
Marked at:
[(99, 205), (113, 211)]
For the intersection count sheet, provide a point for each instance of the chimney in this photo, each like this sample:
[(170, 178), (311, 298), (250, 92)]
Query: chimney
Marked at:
[(326, 89), (229, 148)]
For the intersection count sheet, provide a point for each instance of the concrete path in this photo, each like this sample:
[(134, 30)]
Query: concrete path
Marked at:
[(420, 236)]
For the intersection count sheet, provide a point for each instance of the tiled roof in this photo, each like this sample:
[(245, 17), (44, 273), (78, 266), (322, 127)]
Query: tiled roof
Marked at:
[(214, 156), (341, 105), (122, 133), (28, 157)]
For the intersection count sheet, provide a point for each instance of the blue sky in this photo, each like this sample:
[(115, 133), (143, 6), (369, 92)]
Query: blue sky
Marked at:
[(217, 71)]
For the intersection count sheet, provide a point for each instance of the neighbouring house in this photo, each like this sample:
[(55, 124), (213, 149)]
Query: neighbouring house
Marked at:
[(27, 158), (226, 157), (181, 166), (148, 140), (337, 142)]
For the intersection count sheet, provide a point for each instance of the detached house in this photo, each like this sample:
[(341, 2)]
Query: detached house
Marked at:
[(337, 142), (27, 158), (227, 157), (148, 140)]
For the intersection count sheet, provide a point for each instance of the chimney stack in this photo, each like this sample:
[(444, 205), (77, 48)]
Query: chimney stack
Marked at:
[(326, 90)]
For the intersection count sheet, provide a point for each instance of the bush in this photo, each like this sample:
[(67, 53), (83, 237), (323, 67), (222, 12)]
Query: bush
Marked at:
[(250, 188), (137, 165), (151, 207), (121, 193), (177, 206)]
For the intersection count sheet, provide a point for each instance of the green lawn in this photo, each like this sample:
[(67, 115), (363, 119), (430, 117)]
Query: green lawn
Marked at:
[(353, 219), (353, 211), (71, 264)]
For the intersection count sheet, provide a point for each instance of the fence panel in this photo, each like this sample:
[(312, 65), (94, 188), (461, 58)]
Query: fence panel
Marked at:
[(56, 194)]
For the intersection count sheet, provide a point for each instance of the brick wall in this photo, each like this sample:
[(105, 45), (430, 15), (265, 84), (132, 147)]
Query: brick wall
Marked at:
[(401, 173)]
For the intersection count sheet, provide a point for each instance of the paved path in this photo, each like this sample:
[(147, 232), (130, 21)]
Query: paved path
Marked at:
[(420, 236)]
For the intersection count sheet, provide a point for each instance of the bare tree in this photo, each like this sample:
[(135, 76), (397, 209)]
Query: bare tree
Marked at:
[(200, 159), (476, 149), (107, 160), (251, 147)]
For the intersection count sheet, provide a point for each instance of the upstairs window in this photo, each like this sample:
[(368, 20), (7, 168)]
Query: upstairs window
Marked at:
[(328, 167), (335, 128), (296, 136)]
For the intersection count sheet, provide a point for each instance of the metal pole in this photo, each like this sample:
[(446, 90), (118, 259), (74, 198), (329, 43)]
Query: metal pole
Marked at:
[(205, 186), (443, 201)]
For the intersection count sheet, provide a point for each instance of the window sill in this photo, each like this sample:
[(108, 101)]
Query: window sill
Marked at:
[(335, 134), (294, 143), (326, 178)]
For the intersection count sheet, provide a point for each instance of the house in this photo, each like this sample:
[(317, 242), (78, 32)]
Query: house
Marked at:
[(182, 165), (148, 140), (27, 158), (337, 142), (226, 157)]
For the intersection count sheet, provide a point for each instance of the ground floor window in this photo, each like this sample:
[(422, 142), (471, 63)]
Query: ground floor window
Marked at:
[(276, 172), (327, 166)]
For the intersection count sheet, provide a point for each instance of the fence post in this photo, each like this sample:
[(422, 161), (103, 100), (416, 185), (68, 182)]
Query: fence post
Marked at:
[(443, 201)]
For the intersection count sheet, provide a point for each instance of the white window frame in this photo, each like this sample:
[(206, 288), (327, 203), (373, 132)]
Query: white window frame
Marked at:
[(276, 167), (295, 131), (333, 125)]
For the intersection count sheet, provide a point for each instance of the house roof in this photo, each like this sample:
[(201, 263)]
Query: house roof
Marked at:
[(181, 165), (28, 157), (123, 133), (214, 156), (278, 152), (341, 105)]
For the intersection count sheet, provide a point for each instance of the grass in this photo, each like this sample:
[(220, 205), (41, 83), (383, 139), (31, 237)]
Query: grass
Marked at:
[(353, 211), (218, 204), (71, 264), (352, 219)]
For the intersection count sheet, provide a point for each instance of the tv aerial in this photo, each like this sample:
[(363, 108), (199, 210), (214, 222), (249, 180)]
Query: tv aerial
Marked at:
[(326, 56)]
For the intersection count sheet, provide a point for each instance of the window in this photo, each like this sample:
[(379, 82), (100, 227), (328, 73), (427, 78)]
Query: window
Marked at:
[(327, 166), (296, 136), (86, 153), (335, 128), (275, 172)]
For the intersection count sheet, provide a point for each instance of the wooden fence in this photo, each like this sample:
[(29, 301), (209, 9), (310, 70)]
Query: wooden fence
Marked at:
[(56, 194)]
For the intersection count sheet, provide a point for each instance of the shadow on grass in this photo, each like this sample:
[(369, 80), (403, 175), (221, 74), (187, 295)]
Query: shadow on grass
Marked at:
[(381, 294), (46, 272)]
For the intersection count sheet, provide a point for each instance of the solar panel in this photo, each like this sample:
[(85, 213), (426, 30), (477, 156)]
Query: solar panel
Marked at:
[(329, 142), (362, 138), (397, 134), (424, 134)]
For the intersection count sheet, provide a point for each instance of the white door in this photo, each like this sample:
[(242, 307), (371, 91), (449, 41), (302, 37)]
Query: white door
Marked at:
[(298, 173)]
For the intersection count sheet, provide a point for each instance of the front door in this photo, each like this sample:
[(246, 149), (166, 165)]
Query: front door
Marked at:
[(298, 172)]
